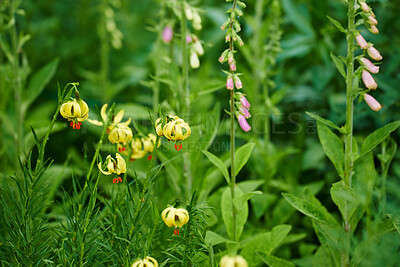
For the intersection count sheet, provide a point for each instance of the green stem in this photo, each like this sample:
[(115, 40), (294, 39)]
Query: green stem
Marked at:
[(348, 136), (99, 144), (232, 137), (186, 92), (17, 80), (104, 51)]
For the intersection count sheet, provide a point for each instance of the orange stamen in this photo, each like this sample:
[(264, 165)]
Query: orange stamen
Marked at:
[(178, 147)]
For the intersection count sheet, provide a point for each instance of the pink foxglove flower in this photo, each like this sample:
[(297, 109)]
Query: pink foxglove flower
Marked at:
[(368, 65), (188, 39), (238, 83), (243, 123), (221, 59), (361, 41), (232, 66), (369, 80), (167, 34), (229, 83), (372, 103), (245, 112), (373, 53), (244, 102)]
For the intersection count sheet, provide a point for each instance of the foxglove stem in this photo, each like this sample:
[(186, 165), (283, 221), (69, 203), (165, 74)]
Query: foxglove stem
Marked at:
[(348, 136), (232, 111)]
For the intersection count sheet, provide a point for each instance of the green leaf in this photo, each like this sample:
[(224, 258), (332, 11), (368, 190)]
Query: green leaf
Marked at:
[(273, 261), (219, 164), (240, 200), (324, 121), (345, 198), (337, 24), (332, 146), (226, 208), (39, 81), (265, 243), (339, 65), (316, 212), (332, 240), (215, 239), (378, 136), (242, 155)]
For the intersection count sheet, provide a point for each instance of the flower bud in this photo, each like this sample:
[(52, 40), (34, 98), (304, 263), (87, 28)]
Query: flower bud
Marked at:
[(197, 21), (243, 123), (198, 48), (227, 38), (369, 80), (364, 6), (188, 12), (372, 103), (361, 41), (372, 20), (221, 59), (230, 57), (373, 29), (368, 65), (374, 53), (194, 60), (167, 34), (188, 39), (232, 66), (229, 83), (238, 83)]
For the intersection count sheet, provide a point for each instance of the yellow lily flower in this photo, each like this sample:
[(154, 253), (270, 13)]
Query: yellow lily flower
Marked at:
[(233, 261), (120, 134), (116, 120), (114, 166), (75, 111), (175, 217), (146, 262), (140, 147), (175, 129)]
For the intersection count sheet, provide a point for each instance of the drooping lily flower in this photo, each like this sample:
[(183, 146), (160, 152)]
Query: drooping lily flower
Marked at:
[(146, 262), (75, 111), (233, 261), (114, 166)]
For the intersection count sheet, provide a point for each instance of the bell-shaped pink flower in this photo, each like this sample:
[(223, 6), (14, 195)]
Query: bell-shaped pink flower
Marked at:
[(373, 53), (243, 123), (361, 41), (369, 65), (369, 80), (372, 103), (245, 112), (244, 102), (167, 34), (232, 66), (238, 83), (229, 83), (188, 39)]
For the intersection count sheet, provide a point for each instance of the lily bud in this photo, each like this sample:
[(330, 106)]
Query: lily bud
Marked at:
[(167, 34), (369, 80), (243, 123), (229, 83), (369, 65), (372, 20), (373, 29), (374, 53), (361, 41), (372, 103)]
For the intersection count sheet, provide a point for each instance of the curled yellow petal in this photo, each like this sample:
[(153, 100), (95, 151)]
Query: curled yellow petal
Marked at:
[(119, 116)]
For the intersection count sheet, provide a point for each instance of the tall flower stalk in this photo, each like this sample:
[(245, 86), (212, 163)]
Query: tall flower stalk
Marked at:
[(233, 82)]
